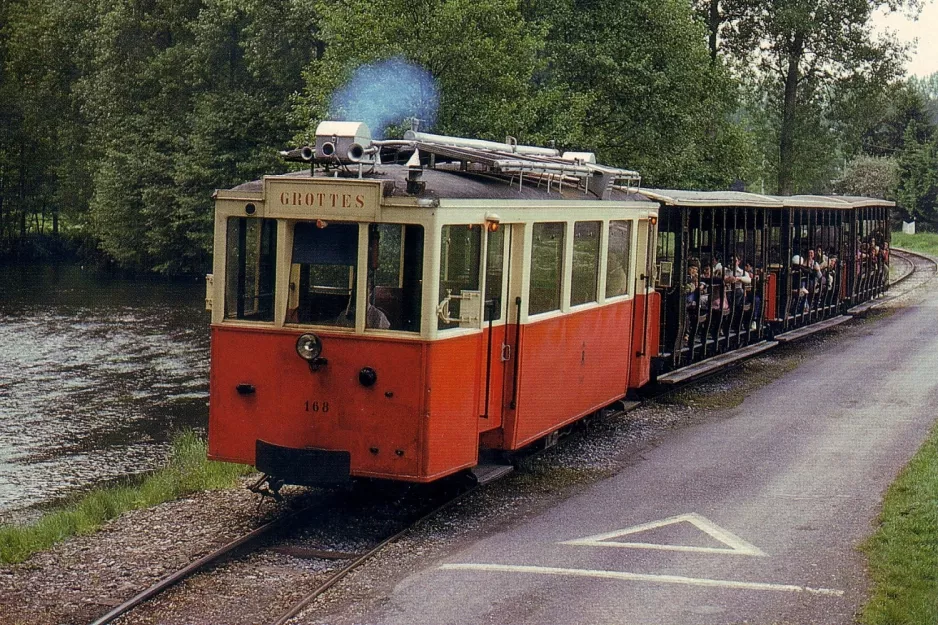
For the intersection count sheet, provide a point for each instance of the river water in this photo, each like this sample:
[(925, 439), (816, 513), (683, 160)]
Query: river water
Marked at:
[(96, 374)]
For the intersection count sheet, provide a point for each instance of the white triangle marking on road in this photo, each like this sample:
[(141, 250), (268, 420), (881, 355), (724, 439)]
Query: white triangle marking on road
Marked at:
[(734, 544)]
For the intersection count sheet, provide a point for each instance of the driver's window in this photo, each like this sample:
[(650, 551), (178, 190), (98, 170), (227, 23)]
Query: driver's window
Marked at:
[(395, 277), (322, 274)]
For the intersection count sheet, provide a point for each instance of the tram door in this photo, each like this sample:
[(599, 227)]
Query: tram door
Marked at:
[(500, 326)]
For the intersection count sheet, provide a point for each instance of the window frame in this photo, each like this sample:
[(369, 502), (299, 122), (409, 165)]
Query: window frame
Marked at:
[(439, 276), (630, 260), (361, 280), (223, 236), (563, 271), (603, 227)]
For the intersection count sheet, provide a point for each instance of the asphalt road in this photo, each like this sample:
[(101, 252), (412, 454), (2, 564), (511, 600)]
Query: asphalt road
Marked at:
[(751, 518)]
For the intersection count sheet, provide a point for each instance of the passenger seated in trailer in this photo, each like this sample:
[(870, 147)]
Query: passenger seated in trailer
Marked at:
[(822, 258), (737, 281), (799, 284), (738, 276), (706, 279), (692, 283), (716, 268), (719, 302), (813, 273), (754, 296), (692, 298), (832, 272)]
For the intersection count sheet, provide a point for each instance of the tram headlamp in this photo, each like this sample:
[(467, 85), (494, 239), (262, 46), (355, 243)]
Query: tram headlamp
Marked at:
[(309, 347)]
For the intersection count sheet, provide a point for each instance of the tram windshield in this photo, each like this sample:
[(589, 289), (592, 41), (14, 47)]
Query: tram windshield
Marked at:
[(250, 269), (324, 275)]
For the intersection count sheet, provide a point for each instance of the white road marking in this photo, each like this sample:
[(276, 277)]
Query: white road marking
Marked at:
[(642, 577), (734, 544)]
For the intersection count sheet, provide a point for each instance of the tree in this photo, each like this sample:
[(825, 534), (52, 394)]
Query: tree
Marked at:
[(634, 83), (135, 92), (247, 59), (927, 87), (807, 52), (870, 176), (183, 97), (42, 159), (879, 121), (630, 81), (917, 193), (482, 53)]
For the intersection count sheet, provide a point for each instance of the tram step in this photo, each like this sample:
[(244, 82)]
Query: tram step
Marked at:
[(865, 307), (705, 367), (486, 473), (794, 335)]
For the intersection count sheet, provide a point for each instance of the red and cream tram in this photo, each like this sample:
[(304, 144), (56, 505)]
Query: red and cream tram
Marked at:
[(389, 320)]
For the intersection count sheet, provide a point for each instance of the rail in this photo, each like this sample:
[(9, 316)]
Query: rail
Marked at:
[(250, 542)]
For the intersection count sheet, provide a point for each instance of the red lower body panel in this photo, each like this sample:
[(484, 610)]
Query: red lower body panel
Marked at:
[(406, 426)]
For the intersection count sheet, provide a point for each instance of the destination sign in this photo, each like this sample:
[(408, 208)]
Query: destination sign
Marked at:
[(323, 197)]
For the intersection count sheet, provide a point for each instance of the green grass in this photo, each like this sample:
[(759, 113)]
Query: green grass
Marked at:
[(187, 471), (925, 242), (903, 553)]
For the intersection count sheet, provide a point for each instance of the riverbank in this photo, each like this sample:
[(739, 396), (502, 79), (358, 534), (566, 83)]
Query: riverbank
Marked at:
[(188, 471), (98, 372)]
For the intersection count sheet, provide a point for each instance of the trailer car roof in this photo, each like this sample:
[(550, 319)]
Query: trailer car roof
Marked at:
[(680, 197)]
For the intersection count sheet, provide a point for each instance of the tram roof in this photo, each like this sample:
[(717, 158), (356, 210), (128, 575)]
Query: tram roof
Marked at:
[(680, 197), (450, 184)]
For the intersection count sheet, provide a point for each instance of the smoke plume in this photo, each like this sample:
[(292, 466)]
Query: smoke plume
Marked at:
[(386, 93)]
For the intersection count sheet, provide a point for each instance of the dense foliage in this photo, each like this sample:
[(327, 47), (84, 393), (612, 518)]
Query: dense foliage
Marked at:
[(118, 118)]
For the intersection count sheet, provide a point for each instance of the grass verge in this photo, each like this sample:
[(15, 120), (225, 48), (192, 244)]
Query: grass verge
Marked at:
[(187, 471), (925, 242), (903, 553)]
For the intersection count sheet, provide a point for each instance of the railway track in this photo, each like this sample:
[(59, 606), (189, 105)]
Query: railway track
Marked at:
[(920, 270), (259, 540)]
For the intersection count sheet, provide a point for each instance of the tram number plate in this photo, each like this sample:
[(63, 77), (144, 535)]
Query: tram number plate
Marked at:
[(317, 406)]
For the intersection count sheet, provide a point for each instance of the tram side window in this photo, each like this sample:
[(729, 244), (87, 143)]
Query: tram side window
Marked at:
[(395, 277), (546, 267), (461, 248), (618, 258), (495, 259), (322, 274), (250, 269), (585, 262)]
